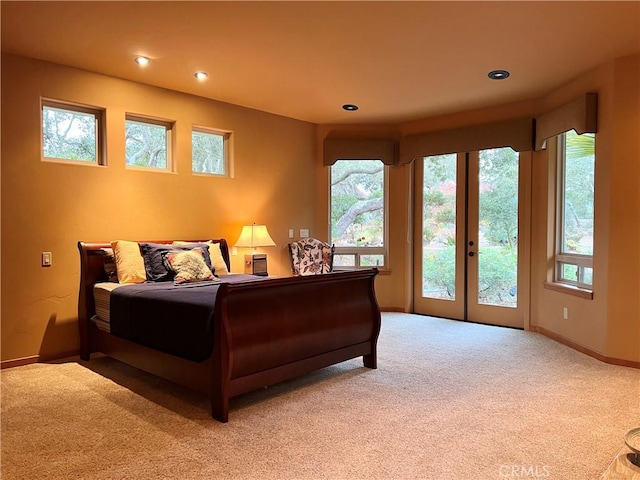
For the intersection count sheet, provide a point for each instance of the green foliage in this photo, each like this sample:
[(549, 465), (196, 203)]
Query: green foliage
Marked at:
[(146, 144), (439, 199), (372, 260), (439, 269), (498, 234), (497, 275), (498, 201), (445, 215), (340, 203), (580, 173), (357, 219), (434, 198), (579, 187), (207, 153), (68, 134)]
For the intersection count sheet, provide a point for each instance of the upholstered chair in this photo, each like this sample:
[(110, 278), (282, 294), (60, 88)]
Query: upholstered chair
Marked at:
[(310, 256)]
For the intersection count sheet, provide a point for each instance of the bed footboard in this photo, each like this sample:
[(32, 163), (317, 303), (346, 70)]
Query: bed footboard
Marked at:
[(274, 330)]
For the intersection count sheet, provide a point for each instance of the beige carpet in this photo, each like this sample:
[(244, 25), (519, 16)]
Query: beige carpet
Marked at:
[(450, 400)]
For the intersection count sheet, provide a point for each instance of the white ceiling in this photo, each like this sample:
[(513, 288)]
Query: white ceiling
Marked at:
[(398, 61)]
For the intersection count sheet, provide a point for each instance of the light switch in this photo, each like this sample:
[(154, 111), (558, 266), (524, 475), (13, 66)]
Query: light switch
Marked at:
[(46, 259), (304, 232), (291, 233)]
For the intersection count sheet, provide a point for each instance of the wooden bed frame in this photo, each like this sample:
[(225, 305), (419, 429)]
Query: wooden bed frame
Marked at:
[(265, 331)]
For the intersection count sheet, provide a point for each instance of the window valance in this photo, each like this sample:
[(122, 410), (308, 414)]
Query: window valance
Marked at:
[(580, 114), (336, 149), (517, 134), (522, 134)]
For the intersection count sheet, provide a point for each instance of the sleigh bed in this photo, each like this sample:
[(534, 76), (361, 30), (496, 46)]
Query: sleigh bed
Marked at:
[(261, 330)]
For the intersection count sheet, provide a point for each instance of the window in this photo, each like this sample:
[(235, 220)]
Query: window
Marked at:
[(71, 133), (358, 213), (575, 204), (147, 143), (209, 151)]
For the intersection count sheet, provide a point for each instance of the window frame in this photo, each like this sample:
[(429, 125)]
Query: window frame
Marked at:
[(561, 258), (359, 252), (168, 125), (100, 131), (226, 150)]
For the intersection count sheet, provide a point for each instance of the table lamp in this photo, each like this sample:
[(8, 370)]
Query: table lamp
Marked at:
[(254, 236)]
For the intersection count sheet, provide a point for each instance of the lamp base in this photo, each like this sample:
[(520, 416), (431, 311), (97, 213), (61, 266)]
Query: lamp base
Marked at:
[(256, 264)]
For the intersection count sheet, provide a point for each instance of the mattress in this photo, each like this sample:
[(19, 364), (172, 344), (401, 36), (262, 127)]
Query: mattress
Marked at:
[(102, 296)]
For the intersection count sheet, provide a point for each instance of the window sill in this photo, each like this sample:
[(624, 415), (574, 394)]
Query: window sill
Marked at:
[(569, 290), (381, 271)]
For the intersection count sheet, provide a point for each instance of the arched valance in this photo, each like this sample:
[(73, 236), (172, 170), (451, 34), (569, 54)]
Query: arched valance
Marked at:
[(517, 134), (336, 149), (580, 115)]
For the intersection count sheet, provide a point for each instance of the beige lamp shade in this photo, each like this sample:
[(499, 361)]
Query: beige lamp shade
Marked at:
[(253, 236)]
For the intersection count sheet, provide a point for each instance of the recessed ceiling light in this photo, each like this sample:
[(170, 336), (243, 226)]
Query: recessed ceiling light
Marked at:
[(200, 75), (498, 74), (350, 108), (142, 61)]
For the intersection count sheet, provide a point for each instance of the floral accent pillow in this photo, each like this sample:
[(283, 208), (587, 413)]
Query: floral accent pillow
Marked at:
[(188, 265)]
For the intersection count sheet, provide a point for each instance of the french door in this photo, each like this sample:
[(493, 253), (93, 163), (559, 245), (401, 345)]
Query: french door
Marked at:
[(471, 237)]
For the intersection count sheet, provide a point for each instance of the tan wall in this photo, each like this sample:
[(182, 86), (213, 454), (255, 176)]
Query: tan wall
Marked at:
[(623, 325), (51, 206)]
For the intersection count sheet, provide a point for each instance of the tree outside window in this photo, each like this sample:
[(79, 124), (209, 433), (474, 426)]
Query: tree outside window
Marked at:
[(576, 199), (147, 144), (209, 152), (70, 132), (358, 212)]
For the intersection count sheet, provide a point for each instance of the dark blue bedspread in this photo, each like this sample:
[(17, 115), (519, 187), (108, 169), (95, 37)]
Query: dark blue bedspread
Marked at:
[(175, 319)]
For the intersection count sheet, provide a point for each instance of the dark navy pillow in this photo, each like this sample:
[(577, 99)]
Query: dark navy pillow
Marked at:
[(153, 262)]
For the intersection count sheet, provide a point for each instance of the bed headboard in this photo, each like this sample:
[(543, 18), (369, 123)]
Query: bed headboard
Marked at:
[(92, 271)]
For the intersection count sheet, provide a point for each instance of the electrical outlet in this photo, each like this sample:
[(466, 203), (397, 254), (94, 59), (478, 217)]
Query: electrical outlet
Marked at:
[(234, 250), (565, 313), (304, 232)]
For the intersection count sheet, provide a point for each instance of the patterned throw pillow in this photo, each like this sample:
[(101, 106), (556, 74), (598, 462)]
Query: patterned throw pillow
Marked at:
[(152, 254), (217, 260), (109, 264), (188, 265)]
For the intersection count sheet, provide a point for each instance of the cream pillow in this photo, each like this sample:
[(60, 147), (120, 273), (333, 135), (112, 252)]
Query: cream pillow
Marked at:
[(216, 258), (129, 261), (217, 261)]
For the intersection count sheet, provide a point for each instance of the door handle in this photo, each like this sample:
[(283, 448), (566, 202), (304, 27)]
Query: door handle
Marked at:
[(472, 254)]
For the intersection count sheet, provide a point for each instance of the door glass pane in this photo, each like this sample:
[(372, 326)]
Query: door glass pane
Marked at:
[(498, 228), (439, 227)]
